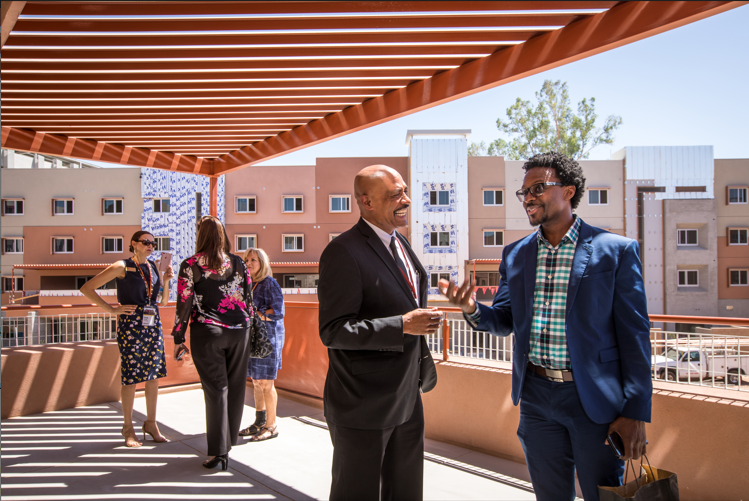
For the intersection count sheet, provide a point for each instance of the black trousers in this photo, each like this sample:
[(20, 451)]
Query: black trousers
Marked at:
[(369, 465), (221, 357)]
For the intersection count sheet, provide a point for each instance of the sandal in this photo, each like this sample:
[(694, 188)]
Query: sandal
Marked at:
[(265, 433), (254, 428), (157, 436)]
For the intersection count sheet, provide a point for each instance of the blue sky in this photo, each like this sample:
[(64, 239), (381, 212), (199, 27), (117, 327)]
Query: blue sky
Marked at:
[(687, 86)]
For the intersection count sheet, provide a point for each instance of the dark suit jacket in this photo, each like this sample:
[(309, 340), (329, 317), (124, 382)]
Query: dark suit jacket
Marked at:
[(373, 373), (608, 330)]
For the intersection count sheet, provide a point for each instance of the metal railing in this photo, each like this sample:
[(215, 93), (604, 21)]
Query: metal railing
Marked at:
[(714, 360), (36, 329)]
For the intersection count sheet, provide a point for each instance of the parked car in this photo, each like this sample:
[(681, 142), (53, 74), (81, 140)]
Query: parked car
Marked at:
[(700, 363)]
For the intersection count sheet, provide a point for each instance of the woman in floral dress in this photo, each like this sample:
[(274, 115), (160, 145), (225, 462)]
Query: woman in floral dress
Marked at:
[(213, 295), (138, 329)]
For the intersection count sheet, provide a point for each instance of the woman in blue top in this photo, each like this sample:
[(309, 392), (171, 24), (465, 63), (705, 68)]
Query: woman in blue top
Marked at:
[(139, 334), (268, 301)]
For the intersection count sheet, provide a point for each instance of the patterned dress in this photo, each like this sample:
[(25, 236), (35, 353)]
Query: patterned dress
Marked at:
[(218, 297), (267, 294), (141, 347)]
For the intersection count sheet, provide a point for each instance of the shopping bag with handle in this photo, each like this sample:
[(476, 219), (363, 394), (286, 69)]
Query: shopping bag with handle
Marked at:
[(653, 484)]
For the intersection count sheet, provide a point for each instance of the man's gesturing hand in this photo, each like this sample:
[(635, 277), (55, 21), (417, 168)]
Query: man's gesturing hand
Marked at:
[(633, 436), (422, 321), (461, 297)]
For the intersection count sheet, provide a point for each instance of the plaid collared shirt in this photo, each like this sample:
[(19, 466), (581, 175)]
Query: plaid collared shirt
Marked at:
[(548, 337)]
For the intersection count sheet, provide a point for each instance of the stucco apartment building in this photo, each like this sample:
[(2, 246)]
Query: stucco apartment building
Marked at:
[(688, 211)]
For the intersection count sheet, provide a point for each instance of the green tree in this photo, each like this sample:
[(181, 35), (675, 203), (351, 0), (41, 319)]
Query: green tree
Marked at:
[(550, 124)]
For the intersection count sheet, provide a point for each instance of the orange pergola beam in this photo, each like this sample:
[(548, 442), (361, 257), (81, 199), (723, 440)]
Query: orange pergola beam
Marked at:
[(625, 23), (60, 145)]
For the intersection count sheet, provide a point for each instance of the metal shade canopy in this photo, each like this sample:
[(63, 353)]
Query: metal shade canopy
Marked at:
[(212, 87)]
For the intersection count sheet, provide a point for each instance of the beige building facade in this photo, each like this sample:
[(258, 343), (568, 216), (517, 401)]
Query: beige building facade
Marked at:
[(63, 216), (688, 211)]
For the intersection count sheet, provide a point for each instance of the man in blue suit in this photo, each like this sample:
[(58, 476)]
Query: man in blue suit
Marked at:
[(574, 296)]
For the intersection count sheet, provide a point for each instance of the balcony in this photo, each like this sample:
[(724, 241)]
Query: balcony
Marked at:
[(74, 451)]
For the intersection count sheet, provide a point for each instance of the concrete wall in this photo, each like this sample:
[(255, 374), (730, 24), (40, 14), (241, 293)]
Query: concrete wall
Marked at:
[(711, 467), (700, 215)]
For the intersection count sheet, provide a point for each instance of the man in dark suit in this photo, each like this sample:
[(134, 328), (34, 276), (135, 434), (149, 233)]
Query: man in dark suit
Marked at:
[(575, 298), (373, 293)]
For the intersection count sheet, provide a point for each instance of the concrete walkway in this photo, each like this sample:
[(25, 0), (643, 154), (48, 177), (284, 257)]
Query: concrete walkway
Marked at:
[(78, 454)]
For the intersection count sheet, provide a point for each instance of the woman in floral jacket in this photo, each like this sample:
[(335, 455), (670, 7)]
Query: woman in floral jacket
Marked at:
[(213, 295)]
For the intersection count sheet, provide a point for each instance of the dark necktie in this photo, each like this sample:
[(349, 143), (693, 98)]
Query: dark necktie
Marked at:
[(401, 265)]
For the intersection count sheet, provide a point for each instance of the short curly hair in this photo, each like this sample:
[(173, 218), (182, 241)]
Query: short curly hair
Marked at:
[(568, 171)]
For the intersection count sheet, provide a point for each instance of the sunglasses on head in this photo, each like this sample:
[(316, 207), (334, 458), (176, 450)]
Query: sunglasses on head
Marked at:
[(148, 242)]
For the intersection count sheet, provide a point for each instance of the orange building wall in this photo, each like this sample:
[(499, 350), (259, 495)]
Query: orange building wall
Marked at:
[(269, 185), (485, 172), (729, 257), (330, 176), (87, 249)]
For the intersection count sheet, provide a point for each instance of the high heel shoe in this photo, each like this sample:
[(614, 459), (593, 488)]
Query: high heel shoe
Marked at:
[(131, 439), (213, 462), (160, 439)]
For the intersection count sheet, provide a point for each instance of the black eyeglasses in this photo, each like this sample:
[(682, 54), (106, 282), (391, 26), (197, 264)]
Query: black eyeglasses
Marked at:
[(536, 190), (148, 242)]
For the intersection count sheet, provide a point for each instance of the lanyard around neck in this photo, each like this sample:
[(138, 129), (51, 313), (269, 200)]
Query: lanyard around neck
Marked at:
[(143, 276)]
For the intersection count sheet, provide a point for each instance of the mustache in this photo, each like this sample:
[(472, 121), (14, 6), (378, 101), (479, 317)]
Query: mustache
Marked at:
[(401, 208)]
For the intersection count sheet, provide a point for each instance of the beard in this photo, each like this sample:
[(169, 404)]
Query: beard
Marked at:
[(540, 220)]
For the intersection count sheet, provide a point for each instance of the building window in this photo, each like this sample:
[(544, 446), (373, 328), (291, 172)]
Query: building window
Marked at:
[(689, 278), (494, 238), (163, 244), (340, 203), (737, 195), (301, 281), (439, 197), (62, 245), (81, 281), (12, 207), (8, 284), (486, 278), (598, 197), (436, 277), (739, 278), (161, 205), (293, 243), (292, 204), (12, 245), (111, 245), (111, 206), (493, 197), (62, 207), (246, 205), (245, 242), (440, 239), (686, 237), (332, 236), (737, 236)]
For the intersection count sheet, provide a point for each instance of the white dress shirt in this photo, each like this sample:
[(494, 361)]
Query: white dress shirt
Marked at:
[(386, 237)]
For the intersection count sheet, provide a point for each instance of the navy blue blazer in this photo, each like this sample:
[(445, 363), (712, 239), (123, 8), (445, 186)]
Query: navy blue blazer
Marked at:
[(608, 329)]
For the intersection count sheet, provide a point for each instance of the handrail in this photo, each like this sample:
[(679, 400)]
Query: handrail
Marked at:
[(681, 319)]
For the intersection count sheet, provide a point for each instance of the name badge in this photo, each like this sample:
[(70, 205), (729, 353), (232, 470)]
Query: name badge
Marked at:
[(149, 316)]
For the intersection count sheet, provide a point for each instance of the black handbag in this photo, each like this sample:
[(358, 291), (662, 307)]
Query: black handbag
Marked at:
[(260, 345)]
